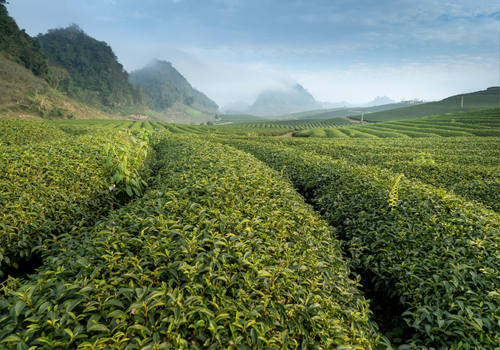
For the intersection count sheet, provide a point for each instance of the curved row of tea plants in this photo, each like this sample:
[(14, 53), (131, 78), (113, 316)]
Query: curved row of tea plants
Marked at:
[(469, 167), (473, 123), (220, 252), (299, 124), (436, 252), (50, 187), (14, 132), (237, 130)]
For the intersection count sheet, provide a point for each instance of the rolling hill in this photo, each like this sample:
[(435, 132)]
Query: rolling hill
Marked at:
[(485, 122), (484, 99)]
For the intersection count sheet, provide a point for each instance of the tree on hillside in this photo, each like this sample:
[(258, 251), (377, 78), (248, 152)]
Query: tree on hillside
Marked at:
[(18, 46), (97, 78), (60, 75), (165, 86), (3, 9)]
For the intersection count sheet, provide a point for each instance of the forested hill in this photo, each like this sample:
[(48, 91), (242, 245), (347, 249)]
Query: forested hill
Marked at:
[(88, 69), (19, 47), (165, 86)]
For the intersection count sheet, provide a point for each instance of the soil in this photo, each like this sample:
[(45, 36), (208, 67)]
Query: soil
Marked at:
[(25, 268)]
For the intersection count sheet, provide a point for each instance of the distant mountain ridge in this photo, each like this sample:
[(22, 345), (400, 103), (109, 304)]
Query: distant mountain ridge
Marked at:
[(278, 102), (380, 100), (235, 107), (165, 85)]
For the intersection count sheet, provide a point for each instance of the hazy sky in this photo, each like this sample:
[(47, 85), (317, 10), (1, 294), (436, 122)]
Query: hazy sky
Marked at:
[(350, 50)]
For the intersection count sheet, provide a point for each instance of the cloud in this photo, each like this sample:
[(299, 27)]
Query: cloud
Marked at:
[(433, 79), (222, 82)]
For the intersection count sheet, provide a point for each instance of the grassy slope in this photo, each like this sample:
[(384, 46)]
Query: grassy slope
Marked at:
[(473, 101), (474, 123), (24, 95), (346, 112), (328, 113)]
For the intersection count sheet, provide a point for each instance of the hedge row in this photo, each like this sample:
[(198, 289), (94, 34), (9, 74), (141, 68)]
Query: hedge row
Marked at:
[(51, 187), (470, 167), (15, 132), (438, 253), (220, 252)]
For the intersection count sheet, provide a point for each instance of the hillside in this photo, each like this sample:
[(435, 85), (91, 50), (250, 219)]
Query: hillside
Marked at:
[(89, 70), (165, 86), (27, 81), (484, 99), (485, 122), (349, 112), (24, 95), (277, 102), (19, 47)]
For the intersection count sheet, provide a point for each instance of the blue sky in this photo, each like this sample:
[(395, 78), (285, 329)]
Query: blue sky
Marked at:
[(338, 50)]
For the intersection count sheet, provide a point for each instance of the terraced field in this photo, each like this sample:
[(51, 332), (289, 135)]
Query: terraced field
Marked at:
[(301, 124), (475, 123)]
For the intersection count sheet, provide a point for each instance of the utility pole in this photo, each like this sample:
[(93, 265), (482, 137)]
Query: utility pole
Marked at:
[(462, 102), (362, 113)]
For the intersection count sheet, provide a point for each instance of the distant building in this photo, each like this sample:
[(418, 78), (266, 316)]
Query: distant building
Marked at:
[(412, 102)]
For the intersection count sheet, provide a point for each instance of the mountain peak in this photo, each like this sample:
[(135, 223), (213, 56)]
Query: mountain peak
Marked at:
[(289, 100), (165, 85)]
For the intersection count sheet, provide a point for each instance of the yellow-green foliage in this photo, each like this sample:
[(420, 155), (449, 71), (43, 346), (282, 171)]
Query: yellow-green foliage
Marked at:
[(220, 252), (48, 187), (393, 193), (438, 253), (24, 132)]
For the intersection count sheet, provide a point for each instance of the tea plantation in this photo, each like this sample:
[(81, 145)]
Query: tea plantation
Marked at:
[(258, 129), (205, 237), (474, 123)]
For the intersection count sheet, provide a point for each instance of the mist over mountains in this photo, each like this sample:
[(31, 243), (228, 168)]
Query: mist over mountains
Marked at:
[(275, 102), (165, 85), (295, 99)]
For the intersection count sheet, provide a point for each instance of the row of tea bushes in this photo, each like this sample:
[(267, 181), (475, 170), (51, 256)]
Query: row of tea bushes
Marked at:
[(220, 252), (438, 253), (51, 187), (470, 167), (22, 132)]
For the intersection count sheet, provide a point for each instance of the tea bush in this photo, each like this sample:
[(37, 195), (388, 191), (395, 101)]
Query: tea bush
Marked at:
[(220, 252), (50, 187), (435, 251), (22, 132), (469, 167)]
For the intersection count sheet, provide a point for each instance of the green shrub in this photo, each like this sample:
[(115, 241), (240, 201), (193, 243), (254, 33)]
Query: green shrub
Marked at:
[(220, 253), (435, 251)]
